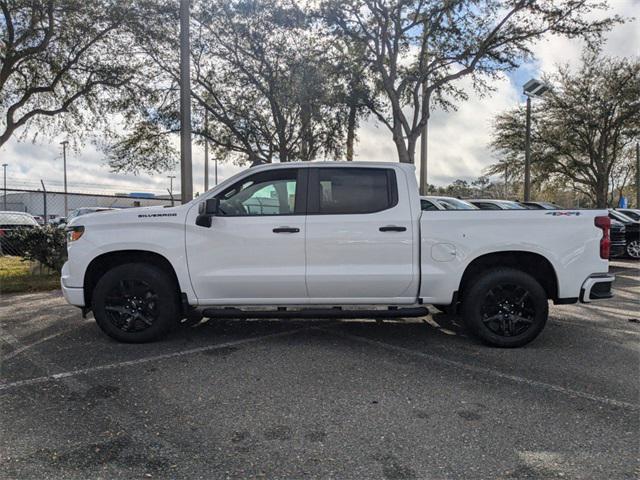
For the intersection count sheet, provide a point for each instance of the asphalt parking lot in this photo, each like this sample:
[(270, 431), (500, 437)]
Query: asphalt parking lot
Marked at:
[(357, 399)]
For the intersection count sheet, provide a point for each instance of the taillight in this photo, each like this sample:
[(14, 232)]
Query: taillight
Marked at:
[(604, 223), (1, 232)]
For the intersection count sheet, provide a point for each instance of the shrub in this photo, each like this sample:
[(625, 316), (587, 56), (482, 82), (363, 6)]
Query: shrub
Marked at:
[(46, 245)]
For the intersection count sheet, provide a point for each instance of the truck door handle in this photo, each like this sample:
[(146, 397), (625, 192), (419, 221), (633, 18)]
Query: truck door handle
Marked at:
[(393, 228), (285, 230)]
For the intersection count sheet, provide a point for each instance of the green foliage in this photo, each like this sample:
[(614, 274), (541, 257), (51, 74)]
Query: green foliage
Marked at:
[(46, 245), (273, 81), (418, 51), (64, 64), (583, 130)]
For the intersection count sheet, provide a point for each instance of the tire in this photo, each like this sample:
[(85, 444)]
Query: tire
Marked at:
[(505, 307), (633, 249), (136, 303)]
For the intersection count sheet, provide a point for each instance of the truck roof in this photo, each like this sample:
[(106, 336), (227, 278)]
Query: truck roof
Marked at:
[(404, 166)]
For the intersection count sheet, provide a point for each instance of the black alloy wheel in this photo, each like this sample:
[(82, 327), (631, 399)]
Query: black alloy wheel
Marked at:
[(136, 302), (132, 305), (508, 310), (504, 307)]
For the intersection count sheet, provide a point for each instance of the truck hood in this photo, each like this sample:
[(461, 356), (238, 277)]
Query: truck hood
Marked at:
[(129, 215)]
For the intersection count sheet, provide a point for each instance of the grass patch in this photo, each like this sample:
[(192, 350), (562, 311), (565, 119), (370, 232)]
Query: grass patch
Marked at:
[(16, 277)]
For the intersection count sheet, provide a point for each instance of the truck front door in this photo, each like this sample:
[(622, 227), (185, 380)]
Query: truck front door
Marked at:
[(253, 253)]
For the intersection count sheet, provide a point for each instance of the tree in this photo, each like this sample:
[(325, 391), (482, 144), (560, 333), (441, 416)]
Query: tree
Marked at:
[(414, 44), (266, 73), (582, 130), (61, 63)]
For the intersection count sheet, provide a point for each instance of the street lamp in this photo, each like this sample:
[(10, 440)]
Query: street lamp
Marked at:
[(532, 89), (171, 177), (4, 167), (64, 162)]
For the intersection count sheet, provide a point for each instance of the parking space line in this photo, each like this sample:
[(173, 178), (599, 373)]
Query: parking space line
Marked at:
[(488, 371), (15, 342), (154, 358), (593, 324)]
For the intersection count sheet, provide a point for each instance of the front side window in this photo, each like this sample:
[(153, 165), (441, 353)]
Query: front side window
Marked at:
[(342, 191), (265, 193)]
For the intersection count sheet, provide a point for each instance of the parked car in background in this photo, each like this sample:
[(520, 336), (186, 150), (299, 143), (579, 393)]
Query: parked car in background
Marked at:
[(618, 239), (430, 202), (57, 221), (12, 221), (632, 213), (632, 233), (491, 204), (541, 206)]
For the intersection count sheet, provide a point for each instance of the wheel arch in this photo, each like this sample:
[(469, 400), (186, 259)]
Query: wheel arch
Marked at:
[(535, 264), (105, 262)]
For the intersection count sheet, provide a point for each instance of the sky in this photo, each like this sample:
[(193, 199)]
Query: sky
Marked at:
[(458, 141)]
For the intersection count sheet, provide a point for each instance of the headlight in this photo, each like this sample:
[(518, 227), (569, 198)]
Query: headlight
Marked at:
[(74, 233)]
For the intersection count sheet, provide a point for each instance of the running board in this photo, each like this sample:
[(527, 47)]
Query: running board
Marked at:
[(315, 313)]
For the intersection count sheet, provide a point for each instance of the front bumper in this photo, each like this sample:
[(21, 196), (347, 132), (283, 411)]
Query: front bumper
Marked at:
[(597, 287), (73, 295)]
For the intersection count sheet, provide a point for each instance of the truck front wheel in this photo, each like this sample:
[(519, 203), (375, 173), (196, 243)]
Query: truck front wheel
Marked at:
[(135, 303), (505, 307)]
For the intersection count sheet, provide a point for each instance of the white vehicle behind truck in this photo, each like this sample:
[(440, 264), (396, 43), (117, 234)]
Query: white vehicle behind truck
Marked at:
[(331, 236)]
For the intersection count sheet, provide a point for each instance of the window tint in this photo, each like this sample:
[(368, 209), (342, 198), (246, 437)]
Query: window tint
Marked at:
[(427, 205), (354, 190), (512, 205), (265, 193), (631, 214), (455, 204), (486, 206)]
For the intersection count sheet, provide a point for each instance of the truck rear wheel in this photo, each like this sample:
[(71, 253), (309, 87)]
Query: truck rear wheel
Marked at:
[(136, 303), (505, 307)]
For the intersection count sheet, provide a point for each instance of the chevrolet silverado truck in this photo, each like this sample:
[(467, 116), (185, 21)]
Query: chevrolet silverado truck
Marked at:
[(338, 239)]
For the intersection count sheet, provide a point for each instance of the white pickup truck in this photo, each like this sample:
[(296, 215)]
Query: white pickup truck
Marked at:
[(313, 239)]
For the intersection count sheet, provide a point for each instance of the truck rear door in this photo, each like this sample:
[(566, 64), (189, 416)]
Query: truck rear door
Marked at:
[(359, 236)]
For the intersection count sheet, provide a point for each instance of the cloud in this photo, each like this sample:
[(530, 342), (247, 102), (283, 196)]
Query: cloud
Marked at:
[(622, 41), (457, 141)]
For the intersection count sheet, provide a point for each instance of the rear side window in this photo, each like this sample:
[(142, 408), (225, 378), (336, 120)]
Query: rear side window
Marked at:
[(343, 191)]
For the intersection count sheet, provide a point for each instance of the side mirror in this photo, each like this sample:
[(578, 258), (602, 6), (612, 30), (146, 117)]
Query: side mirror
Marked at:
[(212, 206), (206, 210)]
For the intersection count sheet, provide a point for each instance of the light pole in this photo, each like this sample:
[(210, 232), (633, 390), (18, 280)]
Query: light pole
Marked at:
[(206, 150), (64, 163), (186, 171), (532, 89), (637, 175), (4, 167)]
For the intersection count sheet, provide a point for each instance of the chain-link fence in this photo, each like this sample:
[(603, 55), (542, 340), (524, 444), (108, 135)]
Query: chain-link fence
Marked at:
[(23, 208)]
